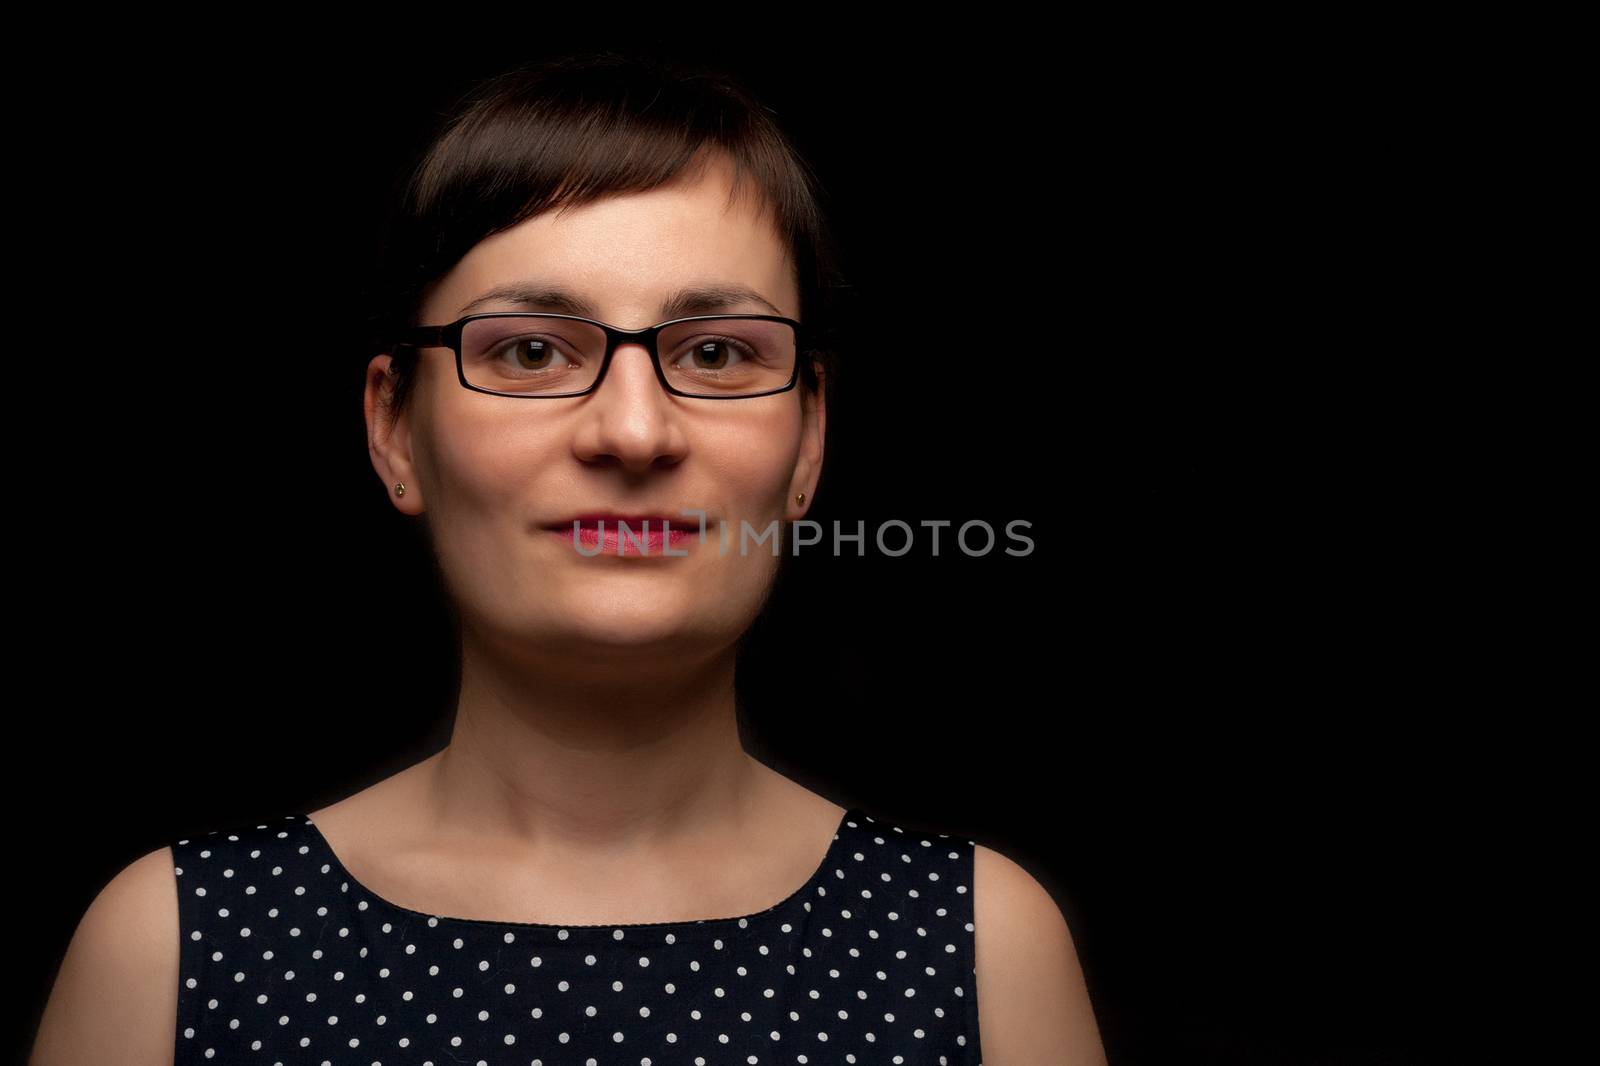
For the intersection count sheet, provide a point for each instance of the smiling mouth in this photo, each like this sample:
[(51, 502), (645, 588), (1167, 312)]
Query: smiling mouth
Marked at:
[(624, 535), (635, 522)]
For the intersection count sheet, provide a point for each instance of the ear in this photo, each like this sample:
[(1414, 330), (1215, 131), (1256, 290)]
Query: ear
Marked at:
[(813, 435), (389, 438)]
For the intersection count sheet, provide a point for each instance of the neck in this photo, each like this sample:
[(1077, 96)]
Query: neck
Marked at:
[(547, 749)]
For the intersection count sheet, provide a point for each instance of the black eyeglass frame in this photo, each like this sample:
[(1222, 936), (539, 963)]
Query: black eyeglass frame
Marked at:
[(449, 336)]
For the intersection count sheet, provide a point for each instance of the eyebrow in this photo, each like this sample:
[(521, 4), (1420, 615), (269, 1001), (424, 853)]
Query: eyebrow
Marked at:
[(692, 300)]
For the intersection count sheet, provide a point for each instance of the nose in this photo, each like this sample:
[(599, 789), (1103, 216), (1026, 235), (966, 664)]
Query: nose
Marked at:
[(630, 420)]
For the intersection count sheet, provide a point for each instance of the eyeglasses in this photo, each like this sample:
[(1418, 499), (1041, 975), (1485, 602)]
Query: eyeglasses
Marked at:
[(534, 355)]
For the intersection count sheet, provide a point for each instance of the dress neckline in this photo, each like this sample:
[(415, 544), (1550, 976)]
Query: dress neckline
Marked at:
[(792, 902)]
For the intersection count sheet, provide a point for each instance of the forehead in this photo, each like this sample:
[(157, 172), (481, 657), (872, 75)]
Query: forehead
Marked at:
[(627, 254)]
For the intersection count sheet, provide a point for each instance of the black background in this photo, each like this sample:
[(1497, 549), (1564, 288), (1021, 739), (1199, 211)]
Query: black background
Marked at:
[(1204, 712)]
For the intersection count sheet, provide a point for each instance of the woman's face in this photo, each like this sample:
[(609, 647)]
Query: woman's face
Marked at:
[(493, 472)]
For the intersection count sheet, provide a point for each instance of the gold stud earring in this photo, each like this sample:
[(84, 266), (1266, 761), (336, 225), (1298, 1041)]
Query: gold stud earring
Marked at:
[(800, 498), (399, 488)]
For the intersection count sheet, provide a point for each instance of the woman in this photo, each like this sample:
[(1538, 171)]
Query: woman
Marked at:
[(593, 870)]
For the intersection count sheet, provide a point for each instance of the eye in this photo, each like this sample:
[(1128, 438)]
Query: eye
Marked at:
[(711, 354), (531, 353)]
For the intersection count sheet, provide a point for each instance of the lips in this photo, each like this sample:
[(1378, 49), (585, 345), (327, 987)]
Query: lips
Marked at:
[(635, 522), (605, 533)]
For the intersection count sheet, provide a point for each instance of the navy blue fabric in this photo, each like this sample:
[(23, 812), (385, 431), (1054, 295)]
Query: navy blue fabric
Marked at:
[(287, 959)]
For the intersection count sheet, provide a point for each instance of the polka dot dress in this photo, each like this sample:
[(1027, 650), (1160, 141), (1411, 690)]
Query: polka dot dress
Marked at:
[(286, 959)]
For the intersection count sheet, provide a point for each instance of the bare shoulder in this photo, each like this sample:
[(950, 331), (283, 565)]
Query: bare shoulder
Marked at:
[(115, 997), (1033, 1003)]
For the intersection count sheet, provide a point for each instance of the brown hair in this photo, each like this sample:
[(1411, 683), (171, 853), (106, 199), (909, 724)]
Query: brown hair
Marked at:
[(551, 134)]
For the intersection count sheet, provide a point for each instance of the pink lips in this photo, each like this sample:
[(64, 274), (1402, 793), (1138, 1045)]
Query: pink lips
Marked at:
[(601, 534)]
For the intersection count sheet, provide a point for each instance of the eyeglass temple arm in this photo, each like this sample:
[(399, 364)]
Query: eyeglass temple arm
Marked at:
[(420, 337)]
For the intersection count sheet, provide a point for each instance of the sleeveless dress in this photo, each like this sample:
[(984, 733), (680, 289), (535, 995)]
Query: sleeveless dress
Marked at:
[(286, 959)]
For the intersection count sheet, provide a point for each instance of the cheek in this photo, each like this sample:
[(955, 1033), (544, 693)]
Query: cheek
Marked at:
[(751, 465), (482, 506), (484, 465)]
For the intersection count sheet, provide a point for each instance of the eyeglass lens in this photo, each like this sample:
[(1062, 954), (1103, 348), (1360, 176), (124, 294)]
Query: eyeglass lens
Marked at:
[(557, 356)]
